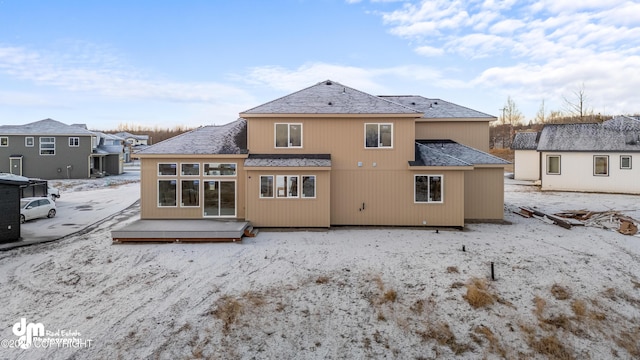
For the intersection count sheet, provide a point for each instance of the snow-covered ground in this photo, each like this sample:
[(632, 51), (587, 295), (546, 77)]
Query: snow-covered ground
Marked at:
[(345, 293)]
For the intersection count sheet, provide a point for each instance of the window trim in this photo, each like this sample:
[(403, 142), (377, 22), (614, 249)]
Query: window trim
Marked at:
[(315, 178), (204, 169), (47, 149), (595, 157), (74, 141), (379, 146), (289, 146), (26, 143), (559, 165), (299, 186), (163, 175), (189, 163), (273, 184), (176, 193), (630, 162), (287, 179), (4, 139), (197, 183), (429, 176)]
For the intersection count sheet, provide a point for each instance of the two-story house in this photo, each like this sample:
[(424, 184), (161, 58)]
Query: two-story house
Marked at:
[(47, 149), (331, 155)]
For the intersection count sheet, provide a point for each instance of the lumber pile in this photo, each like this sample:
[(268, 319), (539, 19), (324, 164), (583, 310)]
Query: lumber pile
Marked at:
[(610, 219)]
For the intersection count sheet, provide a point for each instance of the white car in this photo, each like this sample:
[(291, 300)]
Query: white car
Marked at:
[(36, 207)]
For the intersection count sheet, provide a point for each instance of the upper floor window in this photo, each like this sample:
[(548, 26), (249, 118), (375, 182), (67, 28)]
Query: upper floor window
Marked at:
[(28, 141), (47, 146), (4, 141), (553, 164), (625, 162), (74, 141), (378, 135), (288, 135), (601, 165)]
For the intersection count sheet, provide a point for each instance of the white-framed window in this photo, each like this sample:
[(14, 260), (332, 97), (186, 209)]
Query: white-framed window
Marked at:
[(625, 162), (288, 135), (167, 169), (600, 165), (266, 186), (190, 169), (378, 135), (553, 164), (4, 141), (190, 193), (47, 146), (287, 186), (308, 186), (167, 194), (220, 169), (28, 141), (428, 188), (74, 141)]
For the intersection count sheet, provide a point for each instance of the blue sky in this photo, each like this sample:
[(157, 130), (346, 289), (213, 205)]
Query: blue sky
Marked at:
[(192, 63)]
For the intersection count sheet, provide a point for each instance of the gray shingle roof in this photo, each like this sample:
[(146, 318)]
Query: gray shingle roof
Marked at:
[(527, 140), (226, 139), (292, 160), (44, 127), (618, 134), (451, 153), (437, 108), (330, 97)]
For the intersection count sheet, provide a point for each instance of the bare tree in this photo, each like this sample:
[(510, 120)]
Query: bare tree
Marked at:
[(578, 105), (541, 114), (510, 113)]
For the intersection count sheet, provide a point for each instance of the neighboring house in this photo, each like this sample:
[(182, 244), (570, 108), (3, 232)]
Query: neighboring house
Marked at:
[(134, 140), (10, 206), (331, 155), (590, 157), (526, 156), (47, 149), (110, 154)]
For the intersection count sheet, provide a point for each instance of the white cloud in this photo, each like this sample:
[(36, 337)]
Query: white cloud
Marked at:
[(429, 51)]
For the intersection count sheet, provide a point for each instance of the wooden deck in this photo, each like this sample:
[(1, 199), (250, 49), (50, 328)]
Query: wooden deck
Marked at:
[(196, 230)]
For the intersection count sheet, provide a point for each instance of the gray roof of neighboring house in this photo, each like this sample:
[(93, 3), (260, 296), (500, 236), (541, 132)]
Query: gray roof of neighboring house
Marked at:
[(225, 139), (437, 108), (44, 127), (451, 153), (527, 140), (125, 135), (330, 97), (293, 160), (618, 134)]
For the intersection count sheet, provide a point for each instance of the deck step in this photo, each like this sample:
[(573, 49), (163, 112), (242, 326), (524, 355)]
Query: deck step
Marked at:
[(249, 231)]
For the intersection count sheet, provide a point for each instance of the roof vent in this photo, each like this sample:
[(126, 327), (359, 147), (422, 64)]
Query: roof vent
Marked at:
[(330, 103), (413, 103), (435, 103), (328, 82)]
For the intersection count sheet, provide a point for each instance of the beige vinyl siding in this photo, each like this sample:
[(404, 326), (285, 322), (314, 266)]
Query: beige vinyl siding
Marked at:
[(484, 194), (470, 133), (149, 186), (388, 198), (288, 212)]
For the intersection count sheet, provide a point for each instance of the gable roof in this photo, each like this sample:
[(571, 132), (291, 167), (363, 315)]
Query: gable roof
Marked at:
[(44, 127), (225, 139), (437, 108), (526, 140), (618, 134), (451, 153), (330, 97), (125, 135)]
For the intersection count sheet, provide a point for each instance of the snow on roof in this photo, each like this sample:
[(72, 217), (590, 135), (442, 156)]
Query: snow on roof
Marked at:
[(526, 140), (226, 139), (451, 153), (618, 134), (44, 127), (292, 160), (6, 178), (330, 97), (437, 108)]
